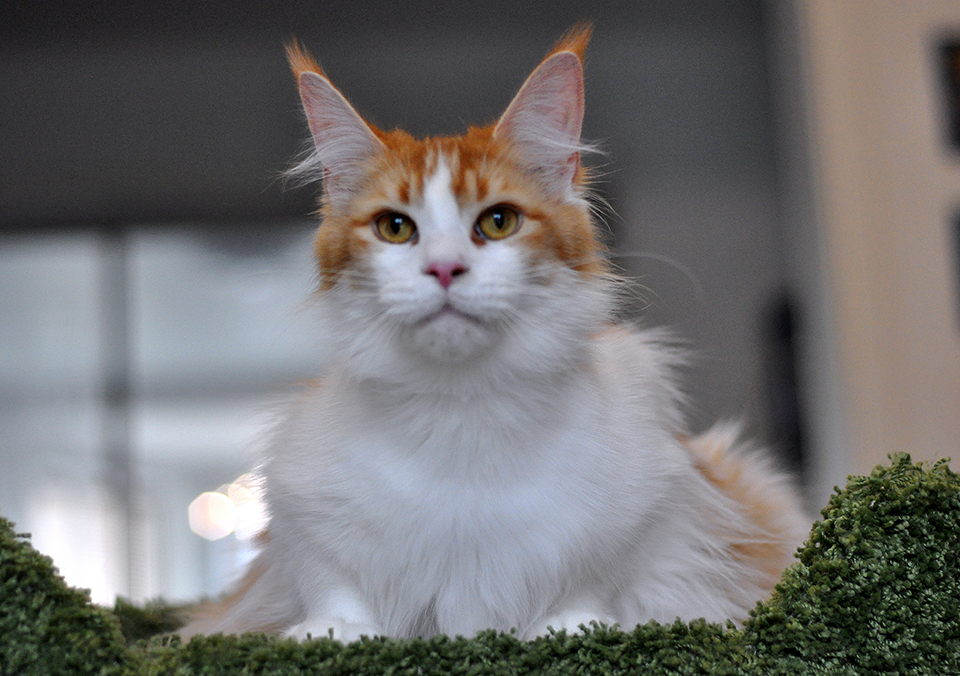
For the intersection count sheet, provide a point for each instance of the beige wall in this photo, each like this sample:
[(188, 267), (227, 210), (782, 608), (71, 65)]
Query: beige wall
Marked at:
[(886, 191)]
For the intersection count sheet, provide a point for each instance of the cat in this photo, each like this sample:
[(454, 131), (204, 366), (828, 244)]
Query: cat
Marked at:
[(488, 447)]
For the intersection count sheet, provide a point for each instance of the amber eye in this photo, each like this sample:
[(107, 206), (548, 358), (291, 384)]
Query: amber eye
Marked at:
[(395, 228), (498, 222)]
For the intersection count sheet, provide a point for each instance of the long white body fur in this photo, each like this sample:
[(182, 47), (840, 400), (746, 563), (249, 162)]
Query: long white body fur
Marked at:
[(564, 501)]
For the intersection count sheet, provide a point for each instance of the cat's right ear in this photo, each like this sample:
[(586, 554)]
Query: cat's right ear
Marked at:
[(343, 142)]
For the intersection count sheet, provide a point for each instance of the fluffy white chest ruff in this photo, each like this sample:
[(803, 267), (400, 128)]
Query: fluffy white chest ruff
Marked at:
[(466, 523)]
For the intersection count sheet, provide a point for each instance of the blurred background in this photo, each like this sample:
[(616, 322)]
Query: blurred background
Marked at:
[(783, 179)]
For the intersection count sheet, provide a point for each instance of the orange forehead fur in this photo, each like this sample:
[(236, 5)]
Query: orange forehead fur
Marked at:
[(485, 171)]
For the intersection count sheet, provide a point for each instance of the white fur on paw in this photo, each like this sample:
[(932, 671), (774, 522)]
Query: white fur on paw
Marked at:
[(324, 627), (571, 620), (343, 615)]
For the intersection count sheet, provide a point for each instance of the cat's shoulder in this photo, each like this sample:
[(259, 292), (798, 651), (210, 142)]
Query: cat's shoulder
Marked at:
[(305, 399), (631, 348), (641, 368)]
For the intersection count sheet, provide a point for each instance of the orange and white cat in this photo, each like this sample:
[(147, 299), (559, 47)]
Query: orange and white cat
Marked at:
[(488, 449)]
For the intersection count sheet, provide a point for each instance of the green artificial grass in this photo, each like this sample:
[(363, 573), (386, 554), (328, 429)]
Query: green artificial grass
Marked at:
[(875, 590), (47, 627)]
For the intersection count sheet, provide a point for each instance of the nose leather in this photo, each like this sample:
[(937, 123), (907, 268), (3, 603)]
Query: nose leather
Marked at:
[(446, 271)]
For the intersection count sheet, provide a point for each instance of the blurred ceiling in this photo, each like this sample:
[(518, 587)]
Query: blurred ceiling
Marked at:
[(64, 22)]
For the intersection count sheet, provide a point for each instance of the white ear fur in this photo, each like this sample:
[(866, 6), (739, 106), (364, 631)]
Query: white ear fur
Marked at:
[(545, 118), (342, 139)]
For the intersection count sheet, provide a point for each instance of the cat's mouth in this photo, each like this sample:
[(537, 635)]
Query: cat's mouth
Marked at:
[(449, 310)]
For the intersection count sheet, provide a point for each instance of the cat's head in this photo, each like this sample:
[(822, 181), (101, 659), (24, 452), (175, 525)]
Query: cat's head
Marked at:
[(445, 248)]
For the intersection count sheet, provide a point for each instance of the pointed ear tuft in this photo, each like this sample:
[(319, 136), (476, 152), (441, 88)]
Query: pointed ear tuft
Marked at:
[(545, 117), (574, 40), (343, 142), (300, 60)]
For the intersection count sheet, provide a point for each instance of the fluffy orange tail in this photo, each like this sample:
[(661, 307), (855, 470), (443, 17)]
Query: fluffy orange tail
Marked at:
[(764, 497)]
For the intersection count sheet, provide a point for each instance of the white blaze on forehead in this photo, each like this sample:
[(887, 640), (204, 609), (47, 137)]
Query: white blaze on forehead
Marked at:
[(443, 211), (441, 225)]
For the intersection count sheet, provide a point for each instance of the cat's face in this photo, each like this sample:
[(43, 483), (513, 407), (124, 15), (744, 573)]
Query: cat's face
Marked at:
[(450, 242), (448, 247)]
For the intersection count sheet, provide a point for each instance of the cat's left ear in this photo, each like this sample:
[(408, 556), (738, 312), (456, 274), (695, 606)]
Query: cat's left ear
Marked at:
[(545, 117)]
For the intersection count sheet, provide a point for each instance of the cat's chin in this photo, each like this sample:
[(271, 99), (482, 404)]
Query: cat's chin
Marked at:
[(453, 337)]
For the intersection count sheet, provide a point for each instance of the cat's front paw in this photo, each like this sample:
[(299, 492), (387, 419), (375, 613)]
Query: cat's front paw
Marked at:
[(571, 620), (338, 628)]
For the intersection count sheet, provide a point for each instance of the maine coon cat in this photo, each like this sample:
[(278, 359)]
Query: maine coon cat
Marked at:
[(488, 448)]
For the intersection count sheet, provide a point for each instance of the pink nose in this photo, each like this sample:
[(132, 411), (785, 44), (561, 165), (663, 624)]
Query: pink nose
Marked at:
[(446, 271)]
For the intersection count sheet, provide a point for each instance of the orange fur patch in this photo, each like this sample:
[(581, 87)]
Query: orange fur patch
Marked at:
[(770, 506)]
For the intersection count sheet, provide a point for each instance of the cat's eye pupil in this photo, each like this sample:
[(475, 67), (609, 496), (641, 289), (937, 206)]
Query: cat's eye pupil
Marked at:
[(497, 223), (395, 228)]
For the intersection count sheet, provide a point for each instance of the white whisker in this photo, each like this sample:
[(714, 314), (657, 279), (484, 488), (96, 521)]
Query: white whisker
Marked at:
[(672, 262)]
